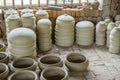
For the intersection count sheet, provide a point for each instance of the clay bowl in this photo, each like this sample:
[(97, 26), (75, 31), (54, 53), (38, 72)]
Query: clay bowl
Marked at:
[(54, 73), (4, 71), (50, 60), (23, 75), (4, 58), (23, 63), (76, 62)]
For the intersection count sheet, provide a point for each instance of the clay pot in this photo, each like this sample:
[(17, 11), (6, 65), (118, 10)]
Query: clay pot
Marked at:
[(50, 60), (2, 47), (23, 63), (76, 62), (54, 73), (4, 71), (4, 58), (23, 75), (95, 4)]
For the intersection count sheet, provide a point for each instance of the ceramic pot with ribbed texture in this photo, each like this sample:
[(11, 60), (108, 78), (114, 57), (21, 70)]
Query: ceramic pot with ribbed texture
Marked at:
[(22, 42), (110, 26), (50, 60), (44, 30), (84, 33), (76, 62), (101, 28), (117, 23), (41, 14), (4, 71), (26, 10), (23, 75), (54, 73), (4, 58), (13, 21), (23, 63), (29, 21), (64, 30), (9, 12), (115, 40), (95, 4)]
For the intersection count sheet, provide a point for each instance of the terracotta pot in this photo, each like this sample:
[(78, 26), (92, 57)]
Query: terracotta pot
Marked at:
[(54, 73), (23, 63), (4, 58), (76, 62), (23, 75), (50, 60), (4, 71)]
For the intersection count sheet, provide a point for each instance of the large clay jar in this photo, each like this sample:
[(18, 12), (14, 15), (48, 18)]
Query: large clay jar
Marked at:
[(110, 26), (23, 63), (41, 14), (84, 33), (115, 40), (4, 71), (64, 30), (23, 75), (101, 28), (50, 60), (4, 58), (21, 43), (76, 62), (29, 21), (44, 29), (9, 12), (54, 73), (26, 10), (95, 4), (12, 22)]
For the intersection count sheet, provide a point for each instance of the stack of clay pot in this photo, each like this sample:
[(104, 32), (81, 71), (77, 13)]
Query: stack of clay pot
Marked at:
[(26, 10), (44, 27), (41, 14), (13, 21), (84, 33), (64, 30), (115, 40), (101, 33), (21, 43), (29, 21), (9, 12), (110, 26)]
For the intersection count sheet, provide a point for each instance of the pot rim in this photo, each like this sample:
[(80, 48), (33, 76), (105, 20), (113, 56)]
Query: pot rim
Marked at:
[(6, 55), (6, 68)]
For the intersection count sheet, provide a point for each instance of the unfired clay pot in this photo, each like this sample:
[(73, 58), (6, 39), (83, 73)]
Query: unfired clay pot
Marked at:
[(76, 62), (4, 71), (23, 63), (23, 75), (4, 58), (54, 73), (50, 60)]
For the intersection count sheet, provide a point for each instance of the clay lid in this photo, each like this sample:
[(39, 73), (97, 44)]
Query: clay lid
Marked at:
[(13, 17), (26, 15), (65, 17), (10, 11), (42, 12), (84, 24), (44, 22)]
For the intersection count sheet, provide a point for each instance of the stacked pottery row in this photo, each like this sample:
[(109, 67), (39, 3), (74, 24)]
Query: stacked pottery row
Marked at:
[(22, 42), (12, 21), (110, 26), (64, 30), (115, 40), (29, 21), (101, 33), (44, 31), (41, 14), (84, 33)]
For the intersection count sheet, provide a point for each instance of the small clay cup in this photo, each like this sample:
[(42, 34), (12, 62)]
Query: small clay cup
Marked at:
[(4, 58)]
